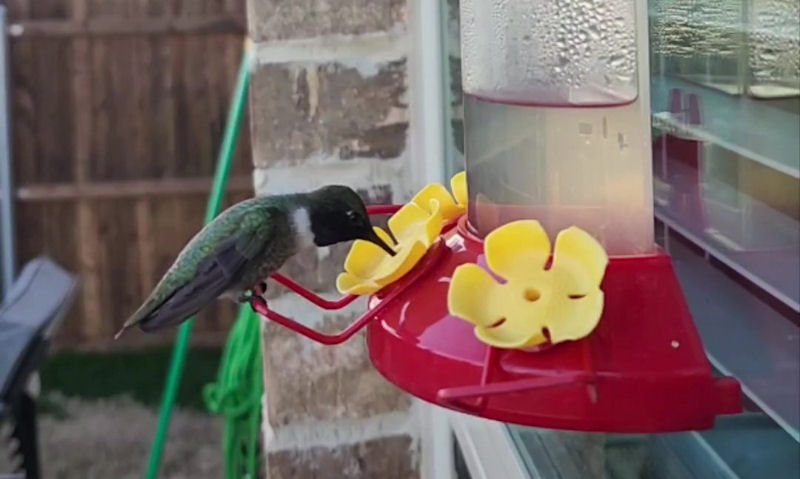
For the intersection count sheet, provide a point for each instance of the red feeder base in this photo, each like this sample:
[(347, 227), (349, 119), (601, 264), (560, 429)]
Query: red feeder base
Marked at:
[(643, 370)]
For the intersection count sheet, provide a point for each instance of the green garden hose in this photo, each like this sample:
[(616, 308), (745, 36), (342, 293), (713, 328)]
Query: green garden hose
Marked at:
[(237, 396)]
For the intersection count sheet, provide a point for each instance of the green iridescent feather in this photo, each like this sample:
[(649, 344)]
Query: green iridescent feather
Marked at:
[(253, 238)]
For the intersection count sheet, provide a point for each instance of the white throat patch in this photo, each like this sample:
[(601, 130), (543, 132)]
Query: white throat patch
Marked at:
[(302, 228)]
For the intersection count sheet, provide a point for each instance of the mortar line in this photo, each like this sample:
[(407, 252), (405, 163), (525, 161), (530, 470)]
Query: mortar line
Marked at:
[(357, 50), (340, 432)]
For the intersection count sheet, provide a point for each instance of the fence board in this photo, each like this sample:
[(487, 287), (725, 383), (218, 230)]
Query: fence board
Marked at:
[(90, 257), (41, 114), (119, 189), (140, 27)]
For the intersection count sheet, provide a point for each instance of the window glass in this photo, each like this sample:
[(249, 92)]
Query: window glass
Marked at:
[(725, 97), (725, 106)]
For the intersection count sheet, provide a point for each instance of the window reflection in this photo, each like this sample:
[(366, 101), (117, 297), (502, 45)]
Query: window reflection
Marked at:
[(726, 116), (738, 47)]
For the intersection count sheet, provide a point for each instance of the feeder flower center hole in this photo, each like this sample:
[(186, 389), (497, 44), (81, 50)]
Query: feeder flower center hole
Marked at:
[(532, 294)]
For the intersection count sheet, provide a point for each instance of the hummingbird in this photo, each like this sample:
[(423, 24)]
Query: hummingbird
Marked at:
[(233, 255)]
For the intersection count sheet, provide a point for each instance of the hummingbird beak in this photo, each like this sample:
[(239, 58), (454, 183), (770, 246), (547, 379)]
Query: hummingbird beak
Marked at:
[(372, 237)]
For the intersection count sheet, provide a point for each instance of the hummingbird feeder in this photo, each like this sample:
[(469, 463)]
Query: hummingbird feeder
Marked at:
[(479, 311)]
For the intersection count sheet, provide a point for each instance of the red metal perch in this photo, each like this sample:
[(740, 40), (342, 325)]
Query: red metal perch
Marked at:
[(261, 307)]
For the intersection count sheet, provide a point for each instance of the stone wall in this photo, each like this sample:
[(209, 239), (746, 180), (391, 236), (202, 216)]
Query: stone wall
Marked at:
[(329, 104)]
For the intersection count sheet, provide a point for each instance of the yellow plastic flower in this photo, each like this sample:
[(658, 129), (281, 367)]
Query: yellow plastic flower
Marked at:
[(565, 300), (368, 268), (416, 226), (451, 205)]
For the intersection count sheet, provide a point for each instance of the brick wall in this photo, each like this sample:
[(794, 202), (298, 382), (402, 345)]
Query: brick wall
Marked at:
[(329, 104)]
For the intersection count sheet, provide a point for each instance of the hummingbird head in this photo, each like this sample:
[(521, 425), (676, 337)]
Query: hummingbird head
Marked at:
[(338, 214)]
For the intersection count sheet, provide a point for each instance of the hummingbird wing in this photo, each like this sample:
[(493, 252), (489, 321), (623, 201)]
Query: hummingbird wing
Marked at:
[(213, 277), (214, 274)]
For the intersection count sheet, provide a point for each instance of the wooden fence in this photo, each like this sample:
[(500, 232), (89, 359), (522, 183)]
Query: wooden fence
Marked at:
[(118, 112)]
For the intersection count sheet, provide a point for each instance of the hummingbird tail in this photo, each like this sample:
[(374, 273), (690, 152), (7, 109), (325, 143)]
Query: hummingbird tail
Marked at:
[(128, 325)]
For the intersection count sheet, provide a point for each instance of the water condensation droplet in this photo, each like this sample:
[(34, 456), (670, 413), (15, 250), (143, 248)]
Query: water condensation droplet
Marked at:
[(524, 45)]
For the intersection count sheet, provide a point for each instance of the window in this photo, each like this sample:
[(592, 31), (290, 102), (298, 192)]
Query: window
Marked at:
[(725, 106)]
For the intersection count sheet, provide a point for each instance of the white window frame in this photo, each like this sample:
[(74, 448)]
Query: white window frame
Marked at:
[(426, 163), (486, 445)]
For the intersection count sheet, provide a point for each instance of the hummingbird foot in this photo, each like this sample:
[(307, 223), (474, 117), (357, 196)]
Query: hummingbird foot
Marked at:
[(256, 300), (257, 295), (257, 291)]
